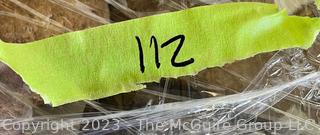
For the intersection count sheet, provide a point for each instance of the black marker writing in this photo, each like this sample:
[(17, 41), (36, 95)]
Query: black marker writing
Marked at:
[(140, 55), (155, 50), (153, 40), (176, 52)]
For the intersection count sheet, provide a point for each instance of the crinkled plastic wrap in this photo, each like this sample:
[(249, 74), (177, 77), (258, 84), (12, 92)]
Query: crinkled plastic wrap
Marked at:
[(271, 93)]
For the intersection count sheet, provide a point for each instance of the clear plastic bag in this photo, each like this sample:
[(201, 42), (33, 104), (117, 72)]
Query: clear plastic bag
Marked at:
[(271, 93)]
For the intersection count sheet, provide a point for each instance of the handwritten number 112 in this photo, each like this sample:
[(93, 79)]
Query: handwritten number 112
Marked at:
[(153, 41)]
